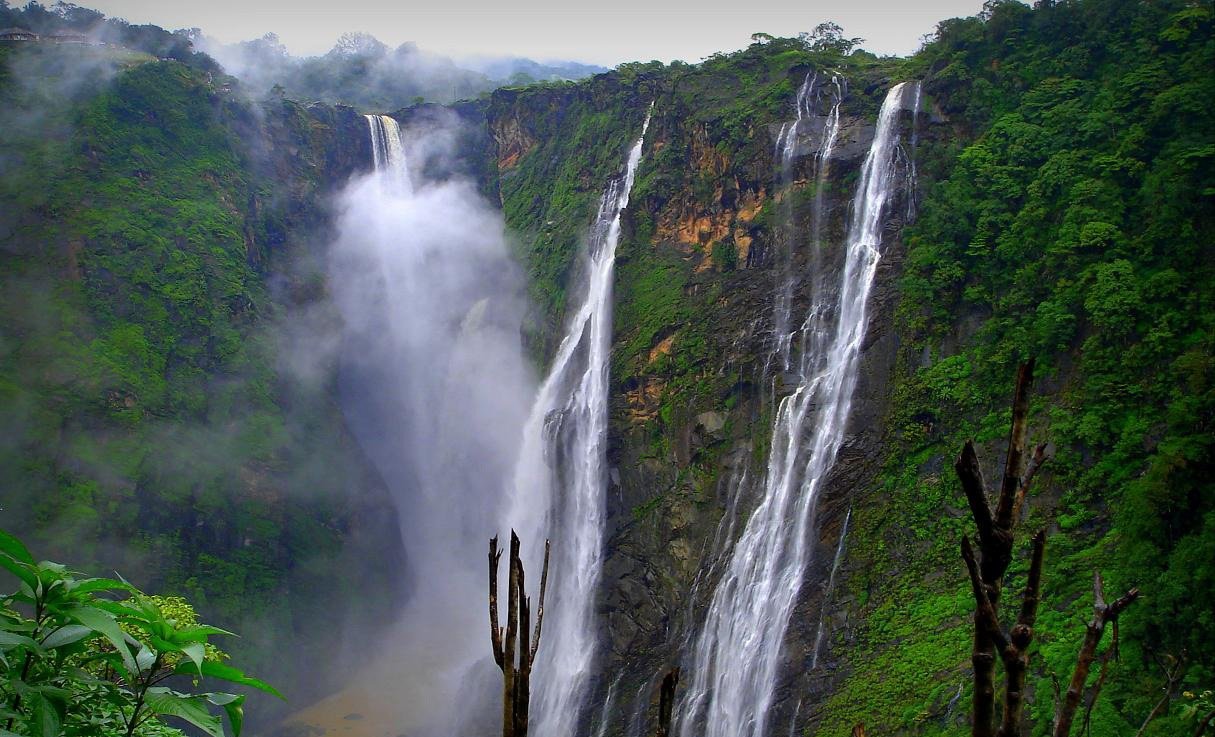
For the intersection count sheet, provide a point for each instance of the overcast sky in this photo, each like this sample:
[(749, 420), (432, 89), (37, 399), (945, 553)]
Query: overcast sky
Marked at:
[(605, 32)]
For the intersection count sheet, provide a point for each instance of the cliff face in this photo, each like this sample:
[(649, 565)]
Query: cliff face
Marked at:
[(159, 233), (159, 247), (675, 512), (1054, 216), (699, 266)]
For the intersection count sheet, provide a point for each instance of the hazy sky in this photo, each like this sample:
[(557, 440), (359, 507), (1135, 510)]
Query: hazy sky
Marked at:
[(605, 32)]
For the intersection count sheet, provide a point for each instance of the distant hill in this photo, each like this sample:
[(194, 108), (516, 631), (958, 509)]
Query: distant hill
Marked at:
[(362, 71), (516, 70), (359, 70)]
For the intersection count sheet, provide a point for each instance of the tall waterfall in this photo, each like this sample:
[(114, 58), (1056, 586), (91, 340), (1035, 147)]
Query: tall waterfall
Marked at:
[(436, 388), (788, 142), (737, 652), (562, 468)]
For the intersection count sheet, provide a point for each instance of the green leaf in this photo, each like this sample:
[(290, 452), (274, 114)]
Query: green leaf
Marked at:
[(66, 635), (164, 646), (10, 640), (145, 658), (234, 707), (163, 702), (196, 652), (199, 633), (14, 548), (22, 570), (89, 585), (104, 624), (211, 669), (46, 716)]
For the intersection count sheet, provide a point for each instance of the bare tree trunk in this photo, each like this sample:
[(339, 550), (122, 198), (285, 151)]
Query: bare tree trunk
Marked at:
[(1173, 669), (1016, 656), (1102, 614), (518, 640), (509, 696), (1206, 722), (524, 673), (666, 702), (995, 542), (1095, 691)]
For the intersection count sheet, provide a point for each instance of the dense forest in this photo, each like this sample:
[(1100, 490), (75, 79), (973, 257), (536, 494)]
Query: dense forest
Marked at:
[(165, 242)]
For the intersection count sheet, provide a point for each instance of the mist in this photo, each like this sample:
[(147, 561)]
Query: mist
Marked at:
[(435, 387), (363, 72)]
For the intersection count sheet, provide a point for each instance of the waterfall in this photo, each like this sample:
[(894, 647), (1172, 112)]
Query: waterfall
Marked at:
[(786, 150), (562, 469), (608, 703), (387, 148), (735, 658), (436, 388), (787, 143)]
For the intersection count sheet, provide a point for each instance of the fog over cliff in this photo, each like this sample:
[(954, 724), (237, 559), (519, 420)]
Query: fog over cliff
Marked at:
[(436, 388)]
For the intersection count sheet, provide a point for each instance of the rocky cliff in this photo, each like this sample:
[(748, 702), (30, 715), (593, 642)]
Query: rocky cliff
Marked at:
[(699, 266), (160, 243), (1030, 217)]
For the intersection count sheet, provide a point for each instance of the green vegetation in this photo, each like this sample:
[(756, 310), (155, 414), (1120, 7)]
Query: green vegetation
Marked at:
[(150, 425), (88, 656), (64, 17), (1065, 213), (1069, 218)]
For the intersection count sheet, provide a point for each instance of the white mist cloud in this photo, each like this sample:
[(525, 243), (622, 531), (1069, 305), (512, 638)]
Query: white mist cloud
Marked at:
[(436, 389)]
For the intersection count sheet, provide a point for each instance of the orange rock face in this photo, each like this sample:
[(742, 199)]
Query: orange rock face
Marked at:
[(644, 401), (513, 142)]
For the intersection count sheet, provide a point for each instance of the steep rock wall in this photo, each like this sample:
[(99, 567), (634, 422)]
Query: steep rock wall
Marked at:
[(159, 241), (697, 272)]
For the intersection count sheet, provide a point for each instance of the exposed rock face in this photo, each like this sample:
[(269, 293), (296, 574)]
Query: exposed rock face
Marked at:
[(673, 511)]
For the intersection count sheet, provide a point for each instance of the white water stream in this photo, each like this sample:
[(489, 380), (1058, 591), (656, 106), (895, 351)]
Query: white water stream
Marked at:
[(735, 659), (562, 469)]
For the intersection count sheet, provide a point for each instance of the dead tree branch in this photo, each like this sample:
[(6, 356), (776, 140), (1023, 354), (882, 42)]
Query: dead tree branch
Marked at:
[(1173, 669), (1102, 615), (515, 649), (540, 604), (495, 632), (987, 569), (1204, 723)]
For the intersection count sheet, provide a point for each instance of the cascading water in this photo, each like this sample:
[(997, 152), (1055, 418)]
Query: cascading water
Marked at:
[(786, 150), (436, 388), (608, 702), (735, 657), (387, 148), (787, 144), (562, 469)]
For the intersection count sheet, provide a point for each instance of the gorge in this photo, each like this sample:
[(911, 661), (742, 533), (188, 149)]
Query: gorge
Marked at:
[(717, 331)]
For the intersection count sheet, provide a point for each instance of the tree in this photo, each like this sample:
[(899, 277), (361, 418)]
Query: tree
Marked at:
[(516, 669), (996, 540), (829, 36), (1103, 614), (93, 653)]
